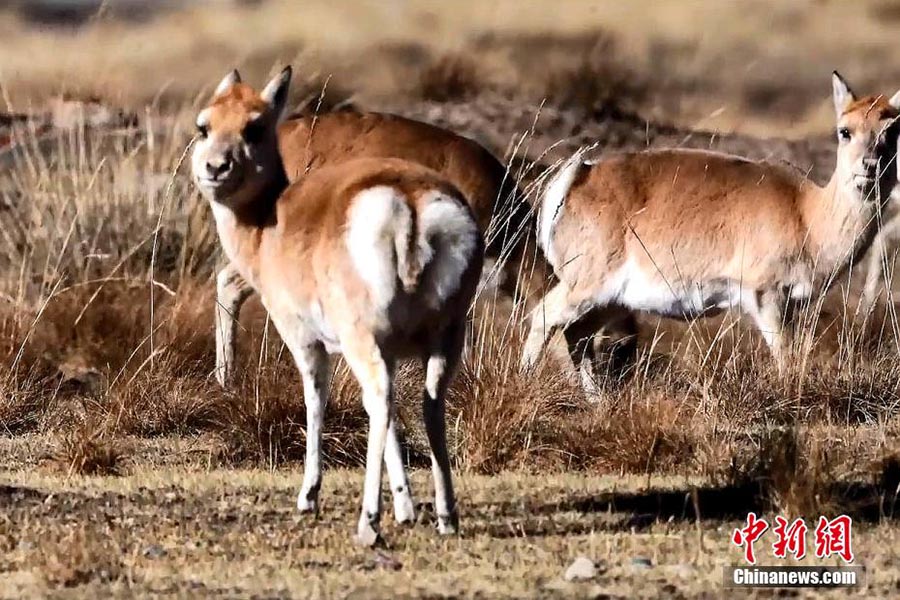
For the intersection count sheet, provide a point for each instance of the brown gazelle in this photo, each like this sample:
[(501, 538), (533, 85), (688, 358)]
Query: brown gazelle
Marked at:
[(312, 141), (684, 233), (377, 259)]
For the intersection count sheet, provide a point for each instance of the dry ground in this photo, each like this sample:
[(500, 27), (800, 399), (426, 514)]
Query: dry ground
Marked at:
[(185, 531), (126, 471)]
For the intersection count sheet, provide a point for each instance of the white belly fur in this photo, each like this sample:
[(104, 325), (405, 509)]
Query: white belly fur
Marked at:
[(631, 288)]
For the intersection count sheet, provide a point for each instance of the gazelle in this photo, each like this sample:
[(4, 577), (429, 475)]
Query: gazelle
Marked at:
[(377, 259), (310, 142), (884, 250), (683, 233)]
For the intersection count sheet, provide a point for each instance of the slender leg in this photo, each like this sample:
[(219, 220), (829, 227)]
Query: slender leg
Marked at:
[(439, 369), (231, 293), (404, 508), (315, 368), (375, 376), (314, 365), (881, 258), (622, 351), (555, 310), (580, 341), (874, 273), (768, 310)]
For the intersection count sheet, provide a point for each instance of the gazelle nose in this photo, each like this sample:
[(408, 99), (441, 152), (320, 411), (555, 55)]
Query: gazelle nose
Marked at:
[(217, 168)]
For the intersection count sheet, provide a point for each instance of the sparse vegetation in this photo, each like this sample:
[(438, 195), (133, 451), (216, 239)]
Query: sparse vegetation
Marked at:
[(107, 258)]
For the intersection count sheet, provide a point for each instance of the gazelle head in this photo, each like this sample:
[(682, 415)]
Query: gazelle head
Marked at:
[(236, 154), (867, 131)]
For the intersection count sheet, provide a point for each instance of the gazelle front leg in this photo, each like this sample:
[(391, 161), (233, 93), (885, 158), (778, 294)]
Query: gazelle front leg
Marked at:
[(315, 369), (231, 293), (555, 310), (769, 311)]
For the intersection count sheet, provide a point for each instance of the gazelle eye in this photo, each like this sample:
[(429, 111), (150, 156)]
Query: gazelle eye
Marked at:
[(203, 131), (844, 134), (254, 131)]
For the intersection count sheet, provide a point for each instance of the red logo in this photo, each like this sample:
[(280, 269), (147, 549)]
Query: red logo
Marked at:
[(791, 538), (748, 535), (834, 537)]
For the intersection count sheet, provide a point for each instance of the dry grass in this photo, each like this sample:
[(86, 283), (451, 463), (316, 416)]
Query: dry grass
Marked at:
[(712, 66), (97, 333), (87, 450), (107, 258)]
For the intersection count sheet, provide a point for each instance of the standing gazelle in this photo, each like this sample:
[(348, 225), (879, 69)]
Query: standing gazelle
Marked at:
[(377, 259), (312, 141), (683, 233)]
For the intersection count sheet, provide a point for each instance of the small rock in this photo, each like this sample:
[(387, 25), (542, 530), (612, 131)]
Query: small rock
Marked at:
[(641, 562), (581, 569), (386, 561), (154, 551), (685, 571)]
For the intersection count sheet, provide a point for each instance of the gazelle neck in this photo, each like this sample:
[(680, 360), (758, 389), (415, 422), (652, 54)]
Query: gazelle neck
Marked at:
[(242, 221), (840, 226)]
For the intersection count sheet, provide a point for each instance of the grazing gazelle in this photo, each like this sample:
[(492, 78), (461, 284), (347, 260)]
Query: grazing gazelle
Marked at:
[(683, 233), (377, 259), (310, 142)]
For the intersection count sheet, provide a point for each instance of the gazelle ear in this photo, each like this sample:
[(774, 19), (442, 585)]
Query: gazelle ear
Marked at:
[(843, 95), (895, 100), (229, 80), (276, 91)]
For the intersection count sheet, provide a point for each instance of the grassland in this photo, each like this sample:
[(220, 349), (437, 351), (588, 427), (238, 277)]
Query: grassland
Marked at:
[(126, 471)]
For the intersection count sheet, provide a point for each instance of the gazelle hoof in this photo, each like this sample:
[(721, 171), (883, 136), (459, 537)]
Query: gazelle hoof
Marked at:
[(366, 535), (404, 509), (448, 524), (307, 503)]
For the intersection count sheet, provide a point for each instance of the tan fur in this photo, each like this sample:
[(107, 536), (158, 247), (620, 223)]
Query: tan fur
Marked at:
[(309, 142), (375, 258), (308, 227), (684, 232)]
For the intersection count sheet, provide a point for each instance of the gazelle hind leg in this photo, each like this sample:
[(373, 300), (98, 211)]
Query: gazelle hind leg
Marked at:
[(404, 508), (314, 365), (555, 310), (580, 342), (439, 369), (375, 376), (622, 352)]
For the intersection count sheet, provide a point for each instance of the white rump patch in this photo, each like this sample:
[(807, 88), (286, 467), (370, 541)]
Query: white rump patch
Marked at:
[(448, 240), (431, 266), (378, 215), (552, 204)]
